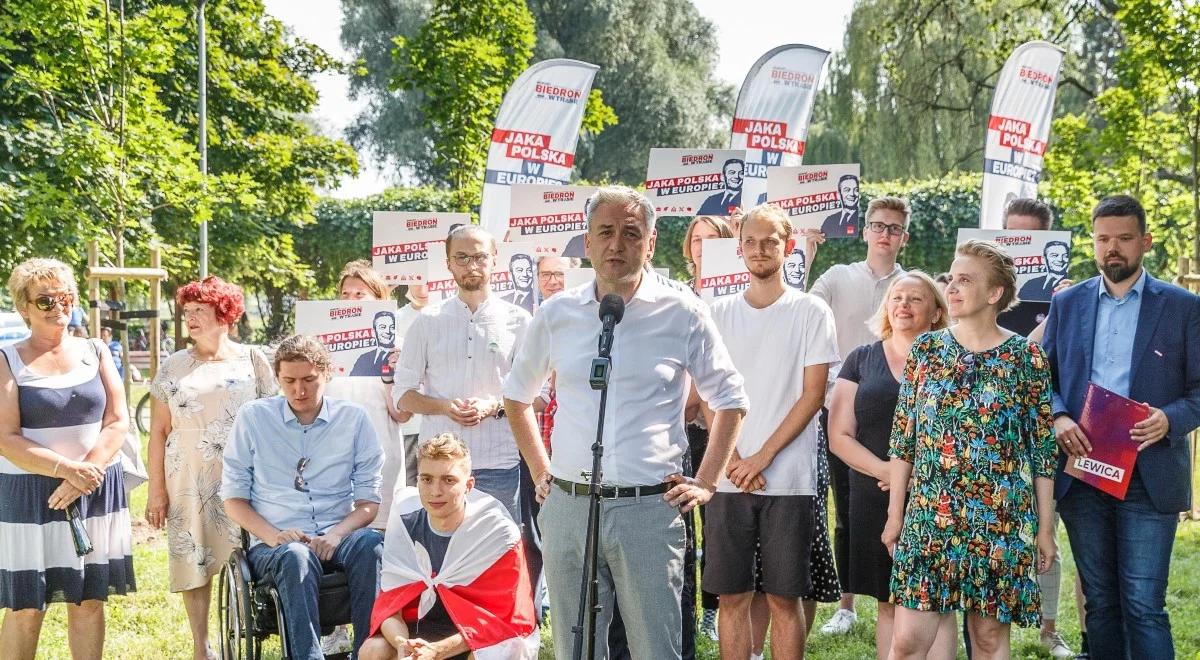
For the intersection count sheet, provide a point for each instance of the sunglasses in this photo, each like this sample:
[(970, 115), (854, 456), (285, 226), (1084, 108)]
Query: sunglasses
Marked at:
[(47, 302), (300, 483), (970, 373)]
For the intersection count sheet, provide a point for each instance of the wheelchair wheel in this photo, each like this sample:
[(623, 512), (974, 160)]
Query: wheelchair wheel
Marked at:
[(238, 641), (142, 416)]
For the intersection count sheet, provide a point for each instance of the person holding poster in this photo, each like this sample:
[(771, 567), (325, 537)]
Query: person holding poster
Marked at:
[(971, 513), (766, 499), (1026, 214), (724, 202), (844, 222), (861, 410), (665, 336), (455, 358), (359, 281), (1135, 335), (855, 292)]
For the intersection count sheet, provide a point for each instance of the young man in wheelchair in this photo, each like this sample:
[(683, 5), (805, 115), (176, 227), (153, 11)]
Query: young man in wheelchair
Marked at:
[(302, 476), (454, 579)]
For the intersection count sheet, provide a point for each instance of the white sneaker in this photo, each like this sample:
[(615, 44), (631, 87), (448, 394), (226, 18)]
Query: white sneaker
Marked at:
[(1057, 646), (840, 622), (337, 641), (756, 656)]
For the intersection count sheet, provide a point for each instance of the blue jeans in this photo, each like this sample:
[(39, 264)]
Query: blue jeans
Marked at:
[(296, 572), (1123, 552), (503, 484)]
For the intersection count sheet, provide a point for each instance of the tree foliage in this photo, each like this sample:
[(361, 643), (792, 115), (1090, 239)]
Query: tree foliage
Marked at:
[(656, 61)]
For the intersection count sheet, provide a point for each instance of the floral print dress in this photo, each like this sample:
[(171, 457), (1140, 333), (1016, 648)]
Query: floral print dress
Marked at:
[(204, 397), (976, 428)]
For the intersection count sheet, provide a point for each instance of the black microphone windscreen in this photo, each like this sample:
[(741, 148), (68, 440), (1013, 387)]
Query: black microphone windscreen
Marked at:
[(614, 306)]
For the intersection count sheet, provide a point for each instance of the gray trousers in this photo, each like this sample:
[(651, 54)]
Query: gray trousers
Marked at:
[(640, 564)]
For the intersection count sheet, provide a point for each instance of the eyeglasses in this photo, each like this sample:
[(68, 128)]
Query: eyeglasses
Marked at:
[(552, 275), (300, 484), (480, 259), (47, 302), (880, 227)]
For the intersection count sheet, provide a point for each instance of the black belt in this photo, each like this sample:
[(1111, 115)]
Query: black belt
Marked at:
[(610, 492)]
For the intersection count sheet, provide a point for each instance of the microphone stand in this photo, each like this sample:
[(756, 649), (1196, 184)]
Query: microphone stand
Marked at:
[(589, 607)]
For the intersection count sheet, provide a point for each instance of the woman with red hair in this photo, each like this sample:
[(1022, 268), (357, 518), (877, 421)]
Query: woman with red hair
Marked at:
[(197, 394)]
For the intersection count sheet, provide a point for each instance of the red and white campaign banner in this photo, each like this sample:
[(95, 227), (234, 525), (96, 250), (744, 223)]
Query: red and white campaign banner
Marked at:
[(399, 240), (551, 216), (688, 182), (483, 582), (823, 197), (439, 281), (535, 134), (358, 333), (1041, 258), (722, 270), (1018, 128), (773, 109)]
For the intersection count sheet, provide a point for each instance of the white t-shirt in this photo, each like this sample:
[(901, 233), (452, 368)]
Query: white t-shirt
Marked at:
[(771, 347)]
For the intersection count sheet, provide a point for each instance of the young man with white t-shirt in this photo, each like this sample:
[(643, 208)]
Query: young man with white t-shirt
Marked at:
[(783, 342)]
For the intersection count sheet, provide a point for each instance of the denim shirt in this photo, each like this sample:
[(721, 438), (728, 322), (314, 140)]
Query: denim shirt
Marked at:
[(1116, 325), (342, 463)]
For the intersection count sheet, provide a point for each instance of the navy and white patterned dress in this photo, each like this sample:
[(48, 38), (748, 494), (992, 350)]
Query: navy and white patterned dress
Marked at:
[(38, 564)]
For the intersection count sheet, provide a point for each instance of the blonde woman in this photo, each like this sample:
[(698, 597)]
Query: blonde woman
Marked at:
[(860, 421), (973, 432), (62, 420)]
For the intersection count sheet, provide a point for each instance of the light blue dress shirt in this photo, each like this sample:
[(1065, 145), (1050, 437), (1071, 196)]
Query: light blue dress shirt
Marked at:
[(1116, 325), (268, 442)]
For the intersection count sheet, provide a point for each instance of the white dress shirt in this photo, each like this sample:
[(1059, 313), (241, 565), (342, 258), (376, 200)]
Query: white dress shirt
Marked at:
[(664, 336), (854, 294), (450, 353)]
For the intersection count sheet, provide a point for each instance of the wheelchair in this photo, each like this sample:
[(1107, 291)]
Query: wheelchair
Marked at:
[(249, 610)]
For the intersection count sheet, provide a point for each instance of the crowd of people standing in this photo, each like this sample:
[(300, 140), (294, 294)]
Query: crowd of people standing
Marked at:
[(941, 412)]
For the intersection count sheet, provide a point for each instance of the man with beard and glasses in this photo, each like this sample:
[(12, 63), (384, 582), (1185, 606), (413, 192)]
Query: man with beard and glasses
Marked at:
[(766, 498), (1135, 335), (455, 357)]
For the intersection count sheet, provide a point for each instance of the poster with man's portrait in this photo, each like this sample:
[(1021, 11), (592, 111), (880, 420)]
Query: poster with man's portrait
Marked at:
[(1042, 258), (400, 242), (551, 216), (722, 270), (360, 334), (689, 182), (823, 197), (514, 279), (795, 264)]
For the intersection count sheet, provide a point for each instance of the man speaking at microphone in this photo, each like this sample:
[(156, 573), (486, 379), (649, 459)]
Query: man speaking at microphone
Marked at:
[(663, 337)]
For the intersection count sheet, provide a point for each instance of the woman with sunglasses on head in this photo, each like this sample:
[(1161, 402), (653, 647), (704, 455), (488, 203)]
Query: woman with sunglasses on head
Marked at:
[(973, 432), (197, 393), (63, 419)]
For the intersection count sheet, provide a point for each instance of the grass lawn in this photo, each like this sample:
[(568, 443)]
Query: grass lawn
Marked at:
[(151, 623)]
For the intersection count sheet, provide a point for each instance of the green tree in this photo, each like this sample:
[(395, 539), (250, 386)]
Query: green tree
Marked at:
[(463, 60), (656, 61)]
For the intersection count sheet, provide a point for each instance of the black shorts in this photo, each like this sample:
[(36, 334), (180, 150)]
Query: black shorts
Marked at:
[(782, 527)]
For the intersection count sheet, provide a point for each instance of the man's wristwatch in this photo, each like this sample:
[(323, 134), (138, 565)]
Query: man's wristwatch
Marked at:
[(499, 410)]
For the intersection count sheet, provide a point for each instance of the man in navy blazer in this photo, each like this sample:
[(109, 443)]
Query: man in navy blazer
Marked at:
[(1139, 337)]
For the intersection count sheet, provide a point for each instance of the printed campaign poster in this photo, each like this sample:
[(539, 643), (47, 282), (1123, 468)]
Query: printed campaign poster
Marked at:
[(439, 281), (399, 238), (534, 138), (360, 334), (823, 197), (773, 109), (1042, 258), (1018, 128), (515, 276), (795, 264), (551, 216), (688, 182), (722, 271)]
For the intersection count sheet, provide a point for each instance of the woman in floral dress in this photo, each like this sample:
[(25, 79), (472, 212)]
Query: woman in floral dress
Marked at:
[(974, 433), (197, 393)]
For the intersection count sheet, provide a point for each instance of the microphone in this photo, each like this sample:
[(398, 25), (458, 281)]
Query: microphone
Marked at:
[(612, 309)]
